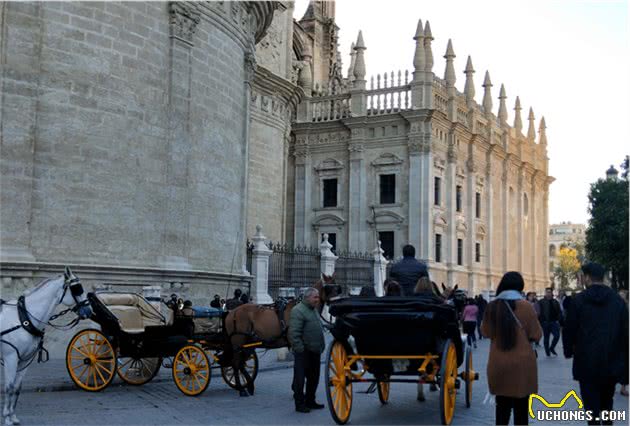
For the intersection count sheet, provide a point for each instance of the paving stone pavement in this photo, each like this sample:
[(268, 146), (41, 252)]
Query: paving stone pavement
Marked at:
[(160, 403)]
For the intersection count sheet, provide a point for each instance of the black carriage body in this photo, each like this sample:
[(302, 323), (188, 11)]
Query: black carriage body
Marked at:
[(396, 326), (154, 341)]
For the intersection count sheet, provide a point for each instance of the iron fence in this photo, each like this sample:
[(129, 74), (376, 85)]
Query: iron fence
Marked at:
[(353, 271), (292, 269)]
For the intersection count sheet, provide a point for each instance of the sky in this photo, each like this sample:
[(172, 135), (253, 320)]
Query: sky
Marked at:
[(567, 59)]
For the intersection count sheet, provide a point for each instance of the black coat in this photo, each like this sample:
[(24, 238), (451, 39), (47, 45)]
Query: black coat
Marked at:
[(549, 310), (407, 272), (596, 335)]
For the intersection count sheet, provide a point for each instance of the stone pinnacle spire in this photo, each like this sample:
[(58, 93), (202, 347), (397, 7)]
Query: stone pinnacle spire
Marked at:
[(449, 72), (419, 57), (428, 37), (542, 131), (518, 123), (359, 62), (502, 114), (487, 94), (353, 55), (469, 88), (531, 130)]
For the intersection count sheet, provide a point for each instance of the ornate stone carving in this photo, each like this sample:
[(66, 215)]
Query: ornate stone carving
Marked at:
[(250, 66), (264, 103), (355, 147), (439, 163), (471, 166), (387, 159), (183, 21)]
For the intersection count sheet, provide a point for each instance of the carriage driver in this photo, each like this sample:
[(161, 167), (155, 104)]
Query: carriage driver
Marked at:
[(307, 342)]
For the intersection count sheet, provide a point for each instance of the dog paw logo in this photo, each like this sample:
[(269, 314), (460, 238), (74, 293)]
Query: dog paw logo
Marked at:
[(560, 404)]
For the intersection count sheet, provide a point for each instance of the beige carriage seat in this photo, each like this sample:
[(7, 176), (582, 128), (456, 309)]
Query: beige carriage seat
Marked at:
[(133, 311)]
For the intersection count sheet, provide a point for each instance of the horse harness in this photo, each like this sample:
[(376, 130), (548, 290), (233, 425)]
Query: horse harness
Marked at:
[(27, 324)]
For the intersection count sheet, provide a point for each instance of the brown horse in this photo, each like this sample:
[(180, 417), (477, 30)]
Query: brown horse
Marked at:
[(257, 324)]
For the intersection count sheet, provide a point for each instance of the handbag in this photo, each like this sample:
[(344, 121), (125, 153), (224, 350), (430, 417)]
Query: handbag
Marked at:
[(531, 342)]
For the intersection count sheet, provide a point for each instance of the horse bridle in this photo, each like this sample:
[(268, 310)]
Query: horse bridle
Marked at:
[(76, 289)]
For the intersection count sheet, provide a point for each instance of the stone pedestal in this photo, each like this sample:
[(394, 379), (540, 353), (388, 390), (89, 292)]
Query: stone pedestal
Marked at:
[(260, 268), (328, 258), (380, 270)]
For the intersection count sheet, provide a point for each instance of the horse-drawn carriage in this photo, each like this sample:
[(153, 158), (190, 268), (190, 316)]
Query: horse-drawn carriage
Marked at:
[(135, 340), (394, 337)]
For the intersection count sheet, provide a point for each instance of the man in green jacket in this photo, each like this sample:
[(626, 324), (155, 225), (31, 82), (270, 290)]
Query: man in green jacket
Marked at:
[(307, 342)]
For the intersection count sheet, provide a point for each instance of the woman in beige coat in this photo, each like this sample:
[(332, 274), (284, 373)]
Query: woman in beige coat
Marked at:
[(511, 324)]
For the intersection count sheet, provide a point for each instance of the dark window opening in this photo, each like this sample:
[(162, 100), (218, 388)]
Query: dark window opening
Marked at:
[(332, 239), (437, 191), (387, 244), (388, 189), (458, 198), (477, 252), (478, 205), (330, 192), (460, 251), (438, 248)]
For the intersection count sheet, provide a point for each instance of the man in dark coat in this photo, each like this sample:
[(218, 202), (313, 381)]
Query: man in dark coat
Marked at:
[(408, 271), (596, 336), (550, 317), (306, 336)]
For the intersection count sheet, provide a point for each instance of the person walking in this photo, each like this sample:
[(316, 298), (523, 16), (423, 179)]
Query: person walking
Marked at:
[(550, 317), (469, 317), (408, 270), (596, 337), (531, 298), (511, 325), (306, 337)]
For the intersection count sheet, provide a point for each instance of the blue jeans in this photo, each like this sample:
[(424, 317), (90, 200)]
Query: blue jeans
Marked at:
[(551, 327)]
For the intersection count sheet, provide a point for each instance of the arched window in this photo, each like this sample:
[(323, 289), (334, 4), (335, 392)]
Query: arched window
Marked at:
[(525, 204), (552, 250)]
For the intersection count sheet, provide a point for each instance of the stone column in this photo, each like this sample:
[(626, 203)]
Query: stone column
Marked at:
[(534, 225), (183, 25), (380, 270), (357, 196), (328, 258), (471, 187), (260, 268), (505, 214), (302, 193), (450, 193), (426, 197), (20, 88), (519, 221), (489, 194), (545, 225), (415, 183)]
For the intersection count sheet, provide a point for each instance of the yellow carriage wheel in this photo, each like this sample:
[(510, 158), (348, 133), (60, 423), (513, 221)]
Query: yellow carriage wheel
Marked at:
[(251, 366), (448, 378), (191, 370), (339, 385), (469, 373), (383, 391), (91, 360), (138, 371)]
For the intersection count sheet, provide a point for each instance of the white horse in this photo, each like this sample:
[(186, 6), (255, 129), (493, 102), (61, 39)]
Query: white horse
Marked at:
[(22, 323)]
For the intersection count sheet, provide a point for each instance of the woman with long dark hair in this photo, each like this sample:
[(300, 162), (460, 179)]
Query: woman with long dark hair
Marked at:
[(511, 324)]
